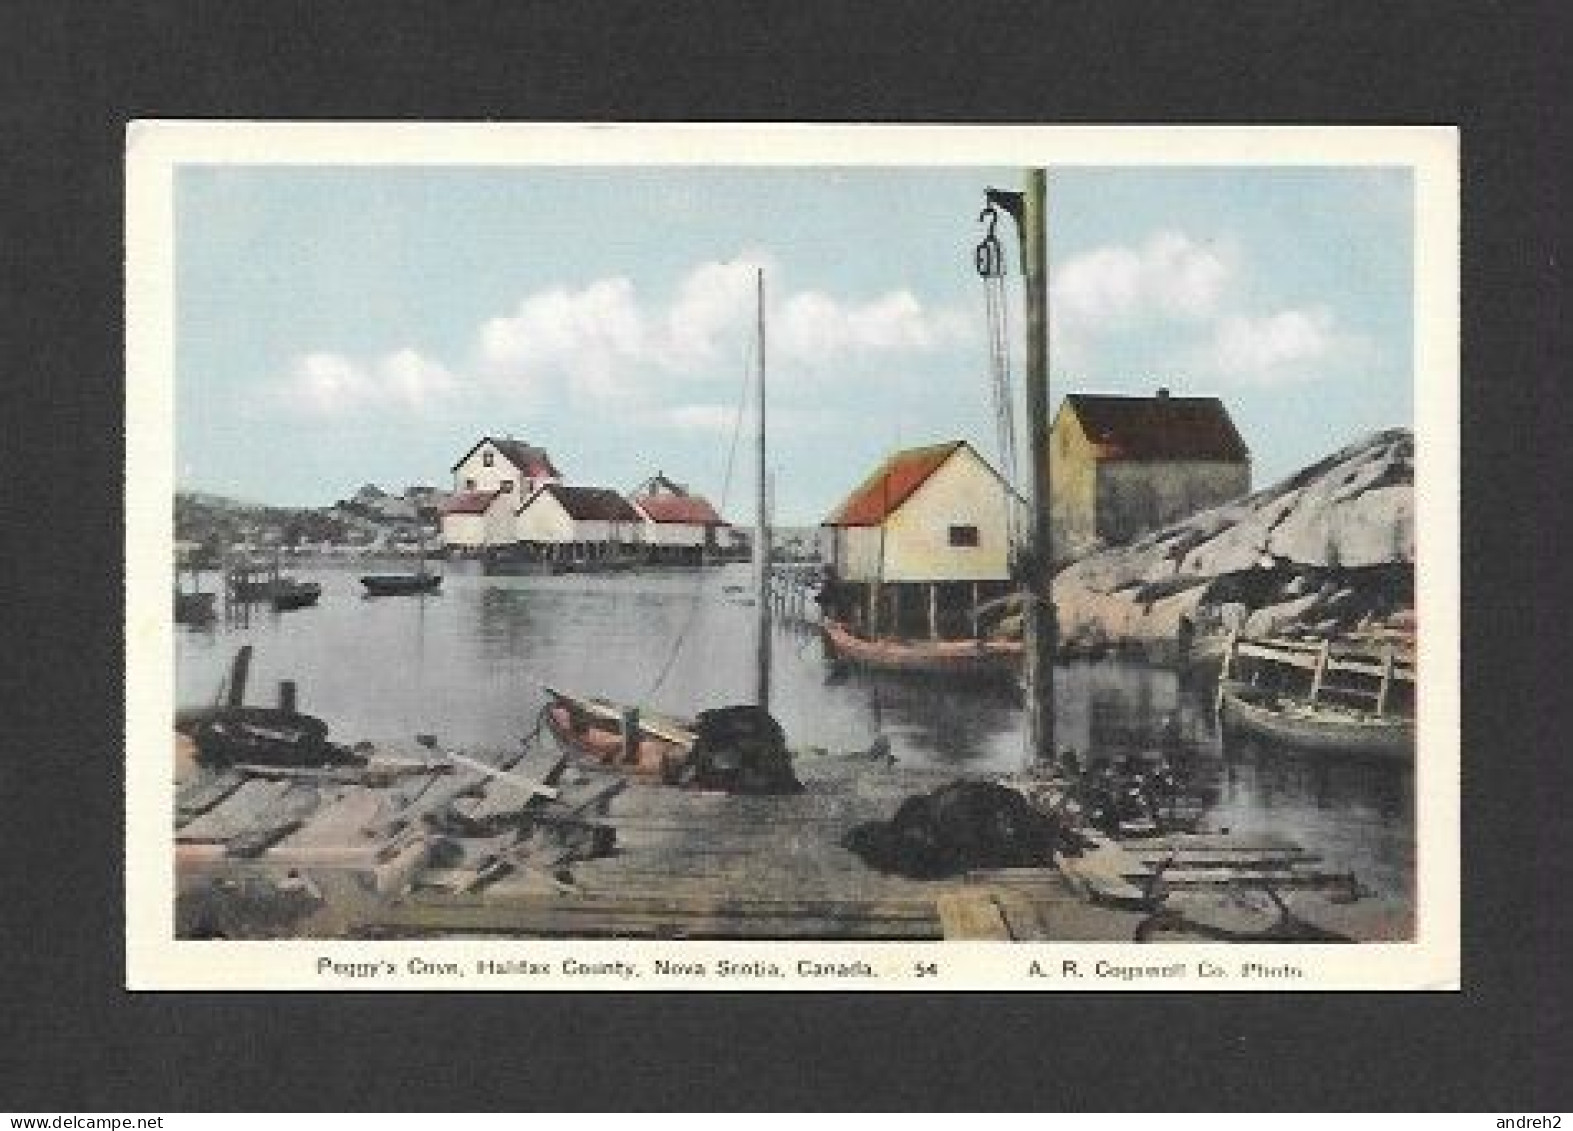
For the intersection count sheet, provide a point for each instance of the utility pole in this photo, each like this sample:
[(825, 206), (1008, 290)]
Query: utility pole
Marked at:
[(1030, 211)]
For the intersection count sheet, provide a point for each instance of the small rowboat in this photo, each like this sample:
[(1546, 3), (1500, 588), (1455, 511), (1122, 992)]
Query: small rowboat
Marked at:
[(1315, 726), (400, 584), (289, 594), (952, 658), (593, 729)]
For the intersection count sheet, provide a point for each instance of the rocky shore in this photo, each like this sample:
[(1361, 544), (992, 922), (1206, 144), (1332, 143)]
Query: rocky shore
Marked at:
[(1328, 551)]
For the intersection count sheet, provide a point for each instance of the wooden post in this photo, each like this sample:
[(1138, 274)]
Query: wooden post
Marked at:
[(973, 616), (1387, 680), (895, 610), (873, 609), (238, 673), (1321, 670), (630, 750), (1226, 672), (933, 611), (287, 696)]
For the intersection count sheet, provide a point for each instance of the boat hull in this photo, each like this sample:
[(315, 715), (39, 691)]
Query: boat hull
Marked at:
[(297, 596), (580, 728), (397, 584), (1325, 732), (950, 658)]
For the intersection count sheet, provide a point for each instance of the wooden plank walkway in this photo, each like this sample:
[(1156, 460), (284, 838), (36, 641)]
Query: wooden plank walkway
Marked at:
[(467, 853)]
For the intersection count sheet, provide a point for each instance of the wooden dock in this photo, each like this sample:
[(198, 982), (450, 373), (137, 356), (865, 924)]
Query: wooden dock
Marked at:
[(517, 847), (686, 864)]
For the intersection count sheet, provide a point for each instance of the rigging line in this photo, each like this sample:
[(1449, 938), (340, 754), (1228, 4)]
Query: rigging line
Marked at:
[(726, 489), (1002, 389)]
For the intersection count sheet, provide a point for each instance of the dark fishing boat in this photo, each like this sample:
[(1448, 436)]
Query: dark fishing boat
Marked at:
[(983, 658), (400, 584), (291, 594), (419, 582)]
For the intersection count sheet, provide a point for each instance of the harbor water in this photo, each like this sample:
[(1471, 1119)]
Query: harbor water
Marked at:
[(470, 664)]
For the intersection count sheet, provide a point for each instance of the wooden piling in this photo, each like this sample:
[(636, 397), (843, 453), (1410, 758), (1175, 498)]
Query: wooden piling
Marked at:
[(239, 671), (630, 735), (1387, 680), (1321, 669)]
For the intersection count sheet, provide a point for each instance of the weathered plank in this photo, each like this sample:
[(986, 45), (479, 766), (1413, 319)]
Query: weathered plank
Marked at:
[(556, 915), (971, 915), (197, 797)]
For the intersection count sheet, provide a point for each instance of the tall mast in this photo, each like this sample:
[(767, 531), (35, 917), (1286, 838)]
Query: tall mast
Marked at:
[(1038, 622), (762, 532)]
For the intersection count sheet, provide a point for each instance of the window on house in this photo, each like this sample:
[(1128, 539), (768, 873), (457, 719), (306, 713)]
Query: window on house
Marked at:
[(963, 535), (505, 486), (486, 459), (469, 484)]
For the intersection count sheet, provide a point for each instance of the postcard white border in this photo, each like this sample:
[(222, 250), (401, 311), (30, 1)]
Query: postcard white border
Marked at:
[(157, 961)]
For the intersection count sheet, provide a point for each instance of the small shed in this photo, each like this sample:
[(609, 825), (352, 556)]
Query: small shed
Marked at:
[(922, 541), (1124, 465)]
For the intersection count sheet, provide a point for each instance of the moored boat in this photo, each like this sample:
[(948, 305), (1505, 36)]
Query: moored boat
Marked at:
[(400, 584), (1321, 727), (593, 728), (291, 594), (978, 658)]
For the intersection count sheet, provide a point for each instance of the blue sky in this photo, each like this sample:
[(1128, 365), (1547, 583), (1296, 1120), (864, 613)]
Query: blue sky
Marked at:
[(343, 325)]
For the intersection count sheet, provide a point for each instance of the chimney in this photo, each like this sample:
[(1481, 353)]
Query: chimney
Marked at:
[(1163, 393)]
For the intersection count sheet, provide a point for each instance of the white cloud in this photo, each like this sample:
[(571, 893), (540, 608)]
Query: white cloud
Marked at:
[(605, 341), (330, 384), (709, 419), (590, 335), (604, 345), (816, 327), (1193, 301), (1170, 277), (713, 302), (1284, 346)]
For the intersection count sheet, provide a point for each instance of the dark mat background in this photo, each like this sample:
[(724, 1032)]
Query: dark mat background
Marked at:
[(73, 75)]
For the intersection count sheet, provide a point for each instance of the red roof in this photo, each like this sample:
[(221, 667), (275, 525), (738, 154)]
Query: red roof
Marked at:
[(892, 483), (529, 459), (691, 509), (469, 502), (582, 503), (1159, 428)]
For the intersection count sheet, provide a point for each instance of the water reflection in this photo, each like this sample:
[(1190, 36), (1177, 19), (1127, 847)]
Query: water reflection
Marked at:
[(469, 663)]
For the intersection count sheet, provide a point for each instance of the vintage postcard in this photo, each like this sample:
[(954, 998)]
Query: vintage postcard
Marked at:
[(793, 557)]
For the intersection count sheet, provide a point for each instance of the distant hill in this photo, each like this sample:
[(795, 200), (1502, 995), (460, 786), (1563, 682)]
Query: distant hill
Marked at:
[(1329, 550)]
